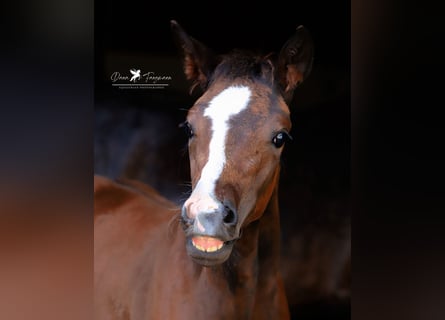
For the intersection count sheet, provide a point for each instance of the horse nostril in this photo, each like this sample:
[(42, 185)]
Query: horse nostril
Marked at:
[(229, 216), (186, 220)]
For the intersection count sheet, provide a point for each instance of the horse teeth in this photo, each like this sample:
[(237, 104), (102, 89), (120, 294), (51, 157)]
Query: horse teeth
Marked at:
[(207, 244), (197, 246), (209, 249)]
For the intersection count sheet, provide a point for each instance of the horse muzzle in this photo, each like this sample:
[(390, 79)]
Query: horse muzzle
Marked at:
[(210, 234)]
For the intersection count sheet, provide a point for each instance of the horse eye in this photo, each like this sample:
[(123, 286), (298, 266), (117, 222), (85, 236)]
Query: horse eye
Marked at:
[(187, 128), (280, 138)]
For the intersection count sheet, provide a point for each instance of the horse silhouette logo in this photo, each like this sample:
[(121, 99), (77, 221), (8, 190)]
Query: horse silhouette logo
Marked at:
[(136, 75)]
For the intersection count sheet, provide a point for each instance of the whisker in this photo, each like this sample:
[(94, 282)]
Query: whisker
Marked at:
[(186, 184), (174, 222)]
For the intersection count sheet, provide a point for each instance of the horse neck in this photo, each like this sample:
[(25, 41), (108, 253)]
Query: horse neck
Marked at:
[(269, 236), (256, 252)]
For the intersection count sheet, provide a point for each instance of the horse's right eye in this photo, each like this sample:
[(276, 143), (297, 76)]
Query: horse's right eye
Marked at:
[(187, 128)]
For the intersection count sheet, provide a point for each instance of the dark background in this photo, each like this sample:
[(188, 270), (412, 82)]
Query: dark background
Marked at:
[(47, 156), (137, 136)]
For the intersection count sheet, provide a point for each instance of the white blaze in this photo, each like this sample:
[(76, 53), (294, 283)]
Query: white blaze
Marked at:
[(222, 107), (228, 103)]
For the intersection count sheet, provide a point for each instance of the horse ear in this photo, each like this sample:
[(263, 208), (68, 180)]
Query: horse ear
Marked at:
[(198, 60), (295, 62)]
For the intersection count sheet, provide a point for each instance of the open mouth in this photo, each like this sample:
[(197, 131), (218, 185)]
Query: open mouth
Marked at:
[(207, 244), (209, 251)]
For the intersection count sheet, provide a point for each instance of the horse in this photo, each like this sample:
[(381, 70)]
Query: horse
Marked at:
[(216, 256)]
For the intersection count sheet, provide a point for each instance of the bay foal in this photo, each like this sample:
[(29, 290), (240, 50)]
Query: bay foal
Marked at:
[(217, 257)]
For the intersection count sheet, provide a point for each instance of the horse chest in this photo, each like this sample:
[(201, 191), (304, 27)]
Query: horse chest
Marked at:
[(193, 292)]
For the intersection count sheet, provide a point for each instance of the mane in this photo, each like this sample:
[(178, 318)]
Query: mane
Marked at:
[(246, 65)]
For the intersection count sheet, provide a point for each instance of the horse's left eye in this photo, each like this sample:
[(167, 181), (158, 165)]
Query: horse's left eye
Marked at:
[(280, 138)]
